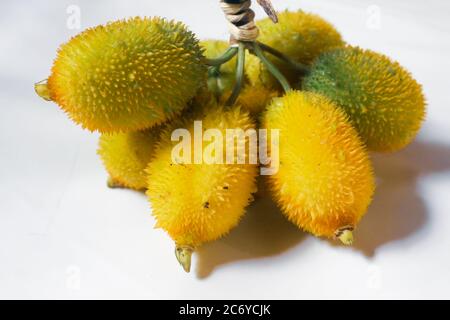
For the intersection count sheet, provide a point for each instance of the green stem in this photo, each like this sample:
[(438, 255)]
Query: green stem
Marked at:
[(294, 64), (213, 81), (227, 56), (271, 67), (239, 75)]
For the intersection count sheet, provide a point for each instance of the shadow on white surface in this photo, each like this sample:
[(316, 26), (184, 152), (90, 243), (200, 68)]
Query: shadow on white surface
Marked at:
[(396, 213), (398, 210), (263, 232)]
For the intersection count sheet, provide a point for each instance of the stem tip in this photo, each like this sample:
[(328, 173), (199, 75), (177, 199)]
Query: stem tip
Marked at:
[(184, 255), (42, 91), (346, 237), (113, 184)]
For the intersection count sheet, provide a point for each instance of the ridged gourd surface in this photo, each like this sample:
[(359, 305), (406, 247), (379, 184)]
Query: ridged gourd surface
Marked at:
[(197, 203), (325, 180), (127, 75), (383, 101)]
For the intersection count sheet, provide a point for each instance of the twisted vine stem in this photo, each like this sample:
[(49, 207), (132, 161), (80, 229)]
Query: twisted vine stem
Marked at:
[(240, 18)]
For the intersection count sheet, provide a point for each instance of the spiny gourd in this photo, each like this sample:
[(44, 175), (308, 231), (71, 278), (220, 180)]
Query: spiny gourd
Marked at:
[(127, 75), (300, 35), (383, 101), (325, 182), (256, 99), (126, 156), (220, 81), (198, 203)]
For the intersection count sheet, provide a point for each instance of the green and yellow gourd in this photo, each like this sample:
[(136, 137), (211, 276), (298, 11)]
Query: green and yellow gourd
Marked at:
[(383, 101), (127, 75)]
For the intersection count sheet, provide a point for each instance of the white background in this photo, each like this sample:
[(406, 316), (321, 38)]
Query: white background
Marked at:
[(63, 234)]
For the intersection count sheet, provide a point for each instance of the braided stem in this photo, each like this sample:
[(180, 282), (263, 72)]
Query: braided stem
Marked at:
[(241, 20), (244, 34)]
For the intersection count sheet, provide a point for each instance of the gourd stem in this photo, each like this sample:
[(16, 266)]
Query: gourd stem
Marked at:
[(42, 90), (227, 56), (294, 64), (239, 75), (346, 237), (345, 234), (184, 256), (271, 67)]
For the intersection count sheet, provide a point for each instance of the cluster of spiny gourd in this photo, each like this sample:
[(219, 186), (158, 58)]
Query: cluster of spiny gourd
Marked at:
[(137, 80)]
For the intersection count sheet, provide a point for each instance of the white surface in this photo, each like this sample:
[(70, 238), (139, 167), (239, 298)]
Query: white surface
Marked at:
[(63, 234)]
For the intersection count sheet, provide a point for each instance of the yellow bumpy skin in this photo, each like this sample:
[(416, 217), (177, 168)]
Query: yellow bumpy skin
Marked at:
[(198, 203), (299, 35), (126, 156), (325, 180), (127, 75), (256, 99), (220, 81), (384, 102)]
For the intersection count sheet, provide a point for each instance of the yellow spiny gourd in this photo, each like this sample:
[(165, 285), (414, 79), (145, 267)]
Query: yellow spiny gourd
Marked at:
[(198, 203), (256, 99), (325, 182), (126, 156), (127, 75), (300, 35), (382, 99)]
